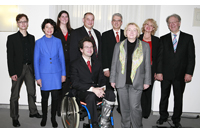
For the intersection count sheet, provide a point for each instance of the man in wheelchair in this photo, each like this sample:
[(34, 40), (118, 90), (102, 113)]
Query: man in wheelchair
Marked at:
[(87, 78)]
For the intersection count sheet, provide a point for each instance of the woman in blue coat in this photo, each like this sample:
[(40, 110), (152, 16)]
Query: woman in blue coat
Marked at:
[(49, 65)]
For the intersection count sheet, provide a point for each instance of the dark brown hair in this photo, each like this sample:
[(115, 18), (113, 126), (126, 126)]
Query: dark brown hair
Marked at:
[(19, 16), (58, 21)]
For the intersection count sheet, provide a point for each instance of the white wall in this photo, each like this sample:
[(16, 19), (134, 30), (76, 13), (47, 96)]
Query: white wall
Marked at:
[(36, 16), (191, 100)]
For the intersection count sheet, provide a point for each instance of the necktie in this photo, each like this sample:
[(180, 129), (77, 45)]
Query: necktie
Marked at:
[(95, 47), (89, 66), (117, 37), (174, 42)]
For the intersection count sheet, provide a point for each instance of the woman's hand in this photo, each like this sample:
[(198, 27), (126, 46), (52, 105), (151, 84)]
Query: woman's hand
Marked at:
[(113, 85), (63, 78), (146, 86), (39, 82)]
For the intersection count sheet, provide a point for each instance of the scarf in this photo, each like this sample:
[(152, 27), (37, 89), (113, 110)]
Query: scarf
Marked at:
[(137, 58)]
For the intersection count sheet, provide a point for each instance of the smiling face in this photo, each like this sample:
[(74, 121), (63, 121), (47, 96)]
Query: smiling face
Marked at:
[(22, 23), (131, 32), (174, 24), (88, 21), (48, 30), (64, 18), (87, 49), (149, 27), (116, 22)]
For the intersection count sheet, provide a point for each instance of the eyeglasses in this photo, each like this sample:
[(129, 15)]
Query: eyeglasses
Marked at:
[(169, 23), (88, 47), (21, 22), (116, 20)]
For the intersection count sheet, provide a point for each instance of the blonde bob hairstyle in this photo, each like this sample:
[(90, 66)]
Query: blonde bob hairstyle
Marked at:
[(155, 26), (137, 27)]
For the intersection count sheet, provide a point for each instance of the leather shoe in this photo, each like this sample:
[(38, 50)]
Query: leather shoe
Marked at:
[(160, 121), (36, 115), (177, 125), (16, 123), (95, 125)]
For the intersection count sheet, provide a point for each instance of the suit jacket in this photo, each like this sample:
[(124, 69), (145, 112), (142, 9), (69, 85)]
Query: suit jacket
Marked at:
[(46, 61), (76, 36), (15, 53), (143, 72), (176, 65), (81, 77), (108, 44), (66, 46), (155, 46)]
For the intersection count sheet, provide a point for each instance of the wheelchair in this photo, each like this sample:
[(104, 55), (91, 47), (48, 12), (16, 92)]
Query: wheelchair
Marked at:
[(73, 111)]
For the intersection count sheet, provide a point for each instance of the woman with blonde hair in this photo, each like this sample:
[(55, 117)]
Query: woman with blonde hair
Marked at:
[(131, 74), (148, 30)]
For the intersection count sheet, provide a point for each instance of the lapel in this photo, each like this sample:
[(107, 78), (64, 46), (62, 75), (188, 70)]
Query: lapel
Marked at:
[(136, 45), (84, 32), (180, 41), (19, 42), (84, 64), (112, 35), (121, 35)]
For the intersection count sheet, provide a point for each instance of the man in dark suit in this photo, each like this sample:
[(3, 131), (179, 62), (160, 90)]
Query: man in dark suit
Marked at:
[(20, 47), (88, 79), (85, 31), (109, 39), (176, 62)]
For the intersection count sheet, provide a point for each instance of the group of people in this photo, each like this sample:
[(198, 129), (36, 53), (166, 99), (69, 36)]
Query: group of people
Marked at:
[(95, 65)]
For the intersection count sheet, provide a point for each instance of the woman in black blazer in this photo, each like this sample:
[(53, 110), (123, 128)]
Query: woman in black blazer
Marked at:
[(148, 29), (63, 32)]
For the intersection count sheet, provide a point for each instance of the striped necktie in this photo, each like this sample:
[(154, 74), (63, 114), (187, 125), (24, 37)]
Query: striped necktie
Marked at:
[(95, 47), (174, 42)]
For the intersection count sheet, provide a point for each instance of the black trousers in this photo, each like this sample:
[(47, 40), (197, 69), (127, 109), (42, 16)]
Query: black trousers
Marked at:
[(28, 78), (146, 98), (91, 100), (178, 90), (54, 102)]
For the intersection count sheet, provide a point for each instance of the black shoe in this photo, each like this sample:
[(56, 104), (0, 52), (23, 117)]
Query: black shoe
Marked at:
[(160, 121), (43, 122), (36, 115), (95, 125), (177, 125), (16, 123), (54, 123)]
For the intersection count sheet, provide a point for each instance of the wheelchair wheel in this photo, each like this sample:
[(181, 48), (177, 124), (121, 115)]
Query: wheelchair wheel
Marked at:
[(70, 112)]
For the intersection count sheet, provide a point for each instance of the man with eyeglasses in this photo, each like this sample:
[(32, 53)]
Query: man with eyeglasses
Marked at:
[(88, 79), (176, 62), (20, 47), (109, 39)]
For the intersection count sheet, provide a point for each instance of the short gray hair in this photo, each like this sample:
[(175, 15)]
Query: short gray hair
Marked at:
[(117, 14), (174, 15)]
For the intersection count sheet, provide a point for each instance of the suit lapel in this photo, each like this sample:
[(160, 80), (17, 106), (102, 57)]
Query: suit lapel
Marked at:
[(84, 64), (19, 42), (45, 45), (180, 41)]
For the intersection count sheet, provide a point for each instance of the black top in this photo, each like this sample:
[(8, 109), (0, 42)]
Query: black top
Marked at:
[(130, 49), (26, 48)]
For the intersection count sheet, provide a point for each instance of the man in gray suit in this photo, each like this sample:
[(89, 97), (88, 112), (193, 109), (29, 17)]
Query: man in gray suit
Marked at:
[(130, 74)]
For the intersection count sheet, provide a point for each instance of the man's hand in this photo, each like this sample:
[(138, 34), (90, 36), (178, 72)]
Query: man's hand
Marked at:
[(107, 73), (146, 86), (159, 77), (99, 92), (39, 82), (188, 78), (14, 77)]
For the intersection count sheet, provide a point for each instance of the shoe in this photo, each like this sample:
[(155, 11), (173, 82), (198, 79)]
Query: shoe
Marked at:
[(36, 115), (16, 123), (43, 122), (54, 123), (177, 125), (95, 125), (160, 121)]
